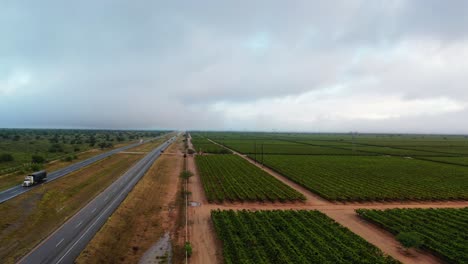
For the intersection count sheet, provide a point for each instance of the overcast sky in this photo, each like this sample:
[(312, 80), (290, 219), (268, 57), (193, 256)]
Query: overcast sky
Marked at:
[(368, 66)]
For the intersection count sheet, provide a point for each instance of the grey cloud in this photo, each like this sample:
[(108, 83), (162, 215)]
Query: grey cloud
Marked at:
[(159, 64)]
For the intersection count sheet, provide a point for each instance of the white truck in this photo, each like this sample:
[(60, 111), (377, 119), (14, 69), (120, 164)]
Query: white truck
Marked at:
[(35, 177)]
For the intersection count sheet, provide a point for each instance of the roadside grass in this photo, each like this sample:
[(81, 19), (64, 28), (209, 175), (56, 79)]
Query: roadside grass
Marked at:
[(9, 180), (31, 217), (143, 217), (147, 147)]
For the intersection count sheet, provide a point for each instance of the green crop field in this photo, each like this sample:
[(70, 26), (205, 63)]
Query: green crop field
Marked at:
[(342, 144), (202, 144), (255, 148), (451, 160), (290, 237), (443, 231), (229, 177), (355, 178)]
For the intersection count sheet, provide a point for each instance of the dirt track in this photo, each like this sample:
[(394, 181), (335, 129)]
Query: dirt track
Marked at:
[(207, 249)]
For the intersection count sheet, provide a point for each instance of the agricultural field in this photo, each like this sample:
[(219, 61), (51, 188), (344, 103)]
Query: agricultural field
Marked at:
[(202, 144), (255, 148), (20, 148), (231, 178), (442, 231), (355, 178), (451, 160), (393, 151), (290, 237)]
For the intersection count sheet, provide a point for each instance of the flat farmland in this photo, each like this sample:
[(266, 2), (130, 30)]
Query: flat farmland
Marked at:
[(280, 147), (442, 230), (290, 237), (395, 151), (355, 178), (231, 178), (452, 160), (202, 144)]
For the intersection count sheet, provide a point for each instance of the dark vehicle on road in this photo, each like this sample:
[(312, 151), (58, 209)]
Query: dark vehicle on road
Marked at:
[(35, 177)]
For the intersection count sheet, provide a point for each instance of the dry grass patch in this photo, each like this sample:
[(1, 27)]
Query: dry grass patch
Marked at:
[(142, 219), (32, 216), (147, 147)]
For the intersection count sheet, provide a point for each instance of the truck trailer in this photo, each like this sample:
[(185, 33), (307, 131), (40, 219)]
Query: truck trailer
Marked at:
[(34, 178)]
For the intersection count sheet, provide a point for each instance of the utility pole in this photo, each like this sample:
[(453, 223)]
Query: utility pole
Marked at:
[(353, 134), (263, 153), (255, 151)]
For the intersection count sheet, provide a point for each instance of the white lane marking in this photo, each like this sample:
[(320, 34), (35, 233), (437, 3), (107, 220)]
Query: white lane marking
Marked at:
[(78, 224), (60, 242), (89, 228), (94, 210)]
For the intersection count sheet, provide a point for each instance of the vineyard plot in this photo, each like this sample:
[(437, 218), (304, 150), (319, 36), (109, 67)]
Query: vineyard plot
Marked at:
[(356, 178), (204, 145), (290, 237), (443, 230), (230, 177)]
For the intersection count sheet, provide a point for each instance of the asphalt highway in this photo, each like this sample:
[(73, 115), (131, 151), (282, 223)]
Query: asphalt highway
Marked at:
[(67, 242), (17, 190)]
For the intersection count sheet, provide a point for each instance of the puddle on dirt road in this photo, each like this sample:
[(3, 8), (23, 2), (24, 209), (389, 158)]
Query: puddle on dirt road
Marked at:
[(195, 204), (159, 253)]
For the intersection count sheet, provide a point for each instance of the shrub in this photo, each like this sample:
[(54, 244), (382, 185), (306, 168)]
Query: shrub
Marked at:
[(190, 151), (55, 148), (37, 159), (188, 248), (186, 174), (36, 167), (6, 157), (410, 239)]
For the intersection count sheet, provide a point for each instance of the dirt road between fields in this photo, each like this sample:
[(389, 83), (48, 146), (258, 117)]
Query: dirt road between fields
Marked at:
[(206, 247)]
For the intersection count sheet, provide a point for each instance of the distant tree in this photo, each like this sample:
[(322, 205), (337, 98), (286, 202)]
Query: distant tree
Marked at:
[(6, 157), (36, 167), (410, 239), (56, 148), (16, 138), (37, 159)]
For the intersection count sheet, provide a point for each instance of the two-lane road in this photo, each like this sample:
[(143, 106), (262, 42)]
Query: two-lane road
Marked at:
[(17, 190), (66, 243)]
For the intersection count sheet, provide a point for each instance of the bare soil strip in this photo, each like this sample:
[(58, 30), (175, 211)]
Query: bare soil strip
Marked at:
[(206, 247)]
